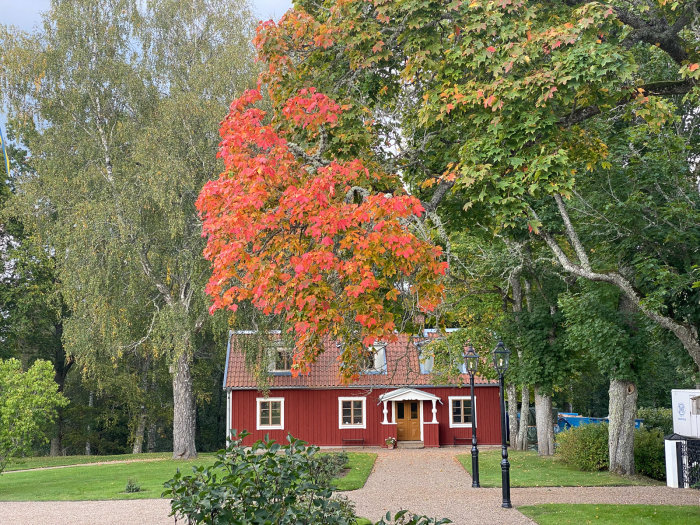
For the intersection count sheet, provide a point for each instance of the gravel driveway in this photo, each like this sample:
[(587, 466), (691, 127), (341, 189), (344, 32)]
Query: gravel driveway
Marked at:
[(427, 481)]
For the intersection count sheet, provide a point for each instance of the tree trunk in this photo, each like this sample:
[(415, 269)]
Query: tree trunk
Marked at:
[(623, 410), (544, 422), (91, 403), (61, 365), (152, 431), (139, 432), (512, 392), (184, 420), (521, 441)]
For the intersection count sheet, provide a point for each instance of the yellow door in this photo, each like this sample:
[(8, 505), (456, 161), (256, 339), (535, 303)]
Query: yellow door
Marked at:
[(408, 420)]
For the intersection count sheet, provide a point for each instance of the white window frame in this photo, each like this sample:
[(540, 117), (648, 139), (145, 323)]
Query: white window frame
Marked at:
[(274, 350), (460, 398), (258, 402), (340, 412)]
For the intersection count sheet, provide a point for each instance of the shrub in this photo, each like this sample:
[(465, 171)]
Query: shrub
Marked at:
[(266, 483), (661, 418), (132, 486), (649, 454), (585, 447), (325, 467)]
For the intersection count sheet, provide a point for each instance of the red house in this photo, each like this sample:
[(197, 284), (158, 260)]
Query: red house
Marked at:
[(397, 396)]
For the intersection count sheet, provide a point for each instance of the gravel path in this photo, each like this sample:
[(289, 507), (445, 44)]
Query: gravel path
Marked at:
[(427, 481)]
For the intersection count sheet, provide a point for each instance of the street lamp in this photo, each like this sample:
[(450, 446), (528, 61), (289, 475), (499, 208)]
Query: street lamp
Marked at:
[(500, 362), (472, 361)]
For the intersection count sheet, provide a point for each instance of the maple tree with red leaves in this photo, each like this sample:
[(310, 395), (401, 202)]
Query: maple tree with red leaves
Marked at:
[(308, 238)]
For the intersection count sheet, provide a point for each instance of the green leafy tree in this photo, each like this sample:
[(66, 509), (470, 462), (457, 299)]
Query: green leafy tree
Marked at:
[(118, 103), (28, 403)]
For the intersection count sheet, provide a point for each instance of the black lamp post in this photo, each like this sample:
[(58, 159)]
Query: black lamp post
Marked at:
[(472, 361), (500, 361)]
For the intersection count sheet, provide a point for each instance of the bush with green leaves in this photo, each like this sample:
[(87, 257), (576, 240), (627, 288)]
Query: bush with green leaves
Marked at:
[(661, 418), (406, 518), (132, 486), (269, 483), (264, 483), (649, 453), (585, 447), (28, 403), (325, 467)]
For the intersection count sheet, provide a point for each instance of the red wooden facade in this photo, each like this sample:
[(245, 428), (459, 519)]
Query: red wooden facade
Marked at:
[(312, 415), (309, 406)]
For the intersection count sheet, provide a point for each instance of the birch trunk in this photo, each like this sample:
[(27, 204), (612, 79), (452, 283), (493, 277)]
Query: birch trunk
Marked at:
[(140, 432), (91, 403), (545, 423), (152, 431), (622, 410), (512, 392), (184, 420), (521, 441)]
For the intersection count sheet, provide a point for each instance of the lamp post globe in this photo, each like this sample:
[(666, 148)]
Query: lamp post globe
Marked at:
[(471, 360), (501, 358)]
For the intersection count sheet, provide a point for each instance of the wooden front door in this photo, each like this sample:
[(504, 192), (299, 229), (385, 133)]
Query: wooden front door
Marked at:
[(408, 420)]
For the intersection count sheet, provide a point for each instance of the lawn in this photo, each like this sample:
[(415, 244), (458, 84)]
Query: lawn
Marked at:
[(565, 513), (360, 466), (527, 469), (105, 482), (55, 461)]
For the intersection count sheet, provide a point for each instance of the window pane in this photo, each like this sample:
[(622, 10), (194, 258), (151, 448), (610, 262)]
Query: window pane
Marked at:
[(456, 411), (265, 413), (414, 410), (399, 411)]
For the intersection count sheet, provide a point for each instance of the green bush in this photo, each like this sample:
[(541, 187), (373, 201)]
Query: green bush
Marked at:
[(649, 454), (269, 483), (325, 467), (585, 447), (661, 418), (132, 486), (264, 483)]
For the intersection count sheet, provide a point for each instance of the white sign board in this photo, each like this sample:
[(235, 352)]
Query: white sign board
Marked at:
[(686, 412)]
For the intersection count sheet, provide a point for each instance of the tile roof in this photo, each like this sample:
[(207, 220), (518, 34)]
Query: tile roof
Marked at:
[(403, 369)]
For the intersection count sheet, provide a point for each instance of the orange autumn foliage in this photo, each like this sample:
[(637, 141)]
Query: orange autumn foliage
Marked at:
[(295, 239)]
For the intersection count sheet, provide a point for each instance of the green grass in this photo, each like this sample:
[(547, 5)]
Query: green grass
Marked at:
[(106, 482), (565, 513), (55, 461), (527, 469), (360, 466)]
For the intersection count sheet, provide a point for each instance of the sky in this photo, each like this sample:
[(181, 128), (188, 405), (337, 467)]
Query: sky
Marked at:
[(26, 13)]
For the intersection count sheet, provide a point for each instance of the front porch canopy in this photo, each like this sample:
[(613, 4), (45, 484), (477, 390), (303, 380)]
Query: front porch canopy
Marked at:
[(408, 394)]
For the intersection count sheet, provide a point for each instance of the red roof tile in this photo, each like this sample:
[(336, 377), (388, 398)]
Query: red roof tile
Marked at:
[(403, 369)]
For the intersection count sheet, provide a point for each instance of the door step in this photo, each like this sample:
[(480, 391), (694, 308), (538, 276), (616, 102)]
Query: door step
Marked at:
[(409, 444)]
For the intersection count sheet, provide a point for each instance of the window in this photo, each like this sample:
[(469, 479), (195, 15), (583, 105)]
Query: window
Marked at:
[(375, 359), (351, 412), (426, 359), (461, 412), (281, 358), (270, 413)]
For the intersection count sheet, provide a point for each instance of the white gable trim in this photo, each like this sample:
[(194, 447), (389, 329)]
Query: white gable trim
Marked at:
[(408, 394)]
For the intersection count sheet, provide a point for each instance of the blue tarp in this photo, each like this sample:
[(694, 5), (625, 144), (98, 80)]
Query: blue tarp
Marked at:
[(572, 419)]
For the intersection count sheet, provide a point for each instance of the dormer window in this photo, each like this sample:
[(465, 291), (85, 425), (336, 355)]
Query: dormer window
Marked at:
[(375, 359), (426, 360), (281, 359)]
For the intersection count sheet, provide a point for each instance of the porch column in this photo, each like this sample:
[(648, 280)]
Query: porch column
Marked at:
[(393, 413), (385, 411), (435, 411)]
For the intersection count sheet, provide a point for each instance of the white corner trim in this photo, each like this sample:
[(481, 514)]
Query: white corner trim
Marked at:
[(258, 426), (449, 405), (340, 412), (228, 416)]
